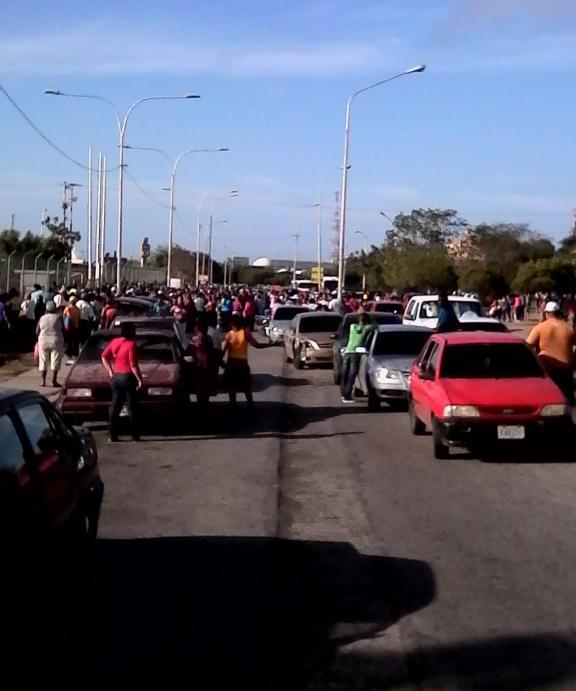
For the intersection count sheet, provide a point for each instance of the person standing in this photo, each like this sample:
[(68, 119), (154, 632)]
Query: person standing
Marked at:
[(71, 325), (554, 340), (237, 375), (87, 318), (120, 360), (356, 338), (50, 343), (447, 319)]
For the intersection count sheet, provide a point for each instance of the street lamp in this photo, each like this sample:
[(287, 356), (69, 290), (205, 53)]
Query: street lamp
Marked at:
[(344, 191), (121, 122), (171, 190), (359, 232), (211, 263)]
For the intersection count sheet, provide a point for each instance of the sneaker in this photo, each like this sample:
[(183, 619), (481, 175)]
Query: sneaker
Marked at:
[(347, 400)]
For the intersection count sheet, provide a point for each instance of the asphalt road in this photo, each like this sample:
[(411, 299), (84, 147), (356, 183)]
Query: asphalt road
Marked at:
[(311, 545)]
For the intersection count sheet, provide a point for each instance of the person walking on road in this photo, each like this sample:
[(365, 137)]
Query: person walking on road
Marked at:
[(554, 340), (71, 326), (447, 319), (120, 360), (356, 338), (237, 375), (50, 343)]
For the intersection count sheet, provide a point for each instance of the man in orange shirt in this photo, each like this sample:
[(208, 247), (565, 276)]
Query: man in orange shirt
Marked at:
[(554, 340)]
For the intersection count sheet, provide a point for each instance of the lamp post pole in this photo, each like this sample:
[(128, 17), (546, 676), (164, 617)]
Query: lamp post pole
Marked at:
[(359, 232), (344, 190), (121, 122)]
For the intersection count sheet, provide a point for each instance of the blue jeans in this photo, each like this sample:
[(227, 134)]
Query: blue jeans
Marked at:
[(124, 391), (350, 367)]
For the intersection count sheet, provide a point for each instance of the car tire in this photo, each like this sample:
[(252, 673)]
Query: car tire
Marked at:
[(441, 450), (417, 427), (298, 364), (373, 400)]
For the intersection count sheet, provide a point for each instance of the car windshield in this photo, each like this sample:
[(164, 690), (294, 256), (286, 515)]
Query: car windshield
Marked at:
[(286, 314), (400, 343), (320, 324), (390, 307), (489, 361), (373, 317), (150, 349), (429, 308)]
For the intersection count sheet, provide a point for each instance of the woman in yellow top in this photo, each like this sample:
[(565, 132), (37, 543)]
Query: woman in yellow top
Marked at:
[(237, 376)]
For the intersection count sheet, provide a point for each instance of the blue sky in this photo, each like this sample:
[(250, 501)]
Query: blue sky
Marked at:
[(488, 129)]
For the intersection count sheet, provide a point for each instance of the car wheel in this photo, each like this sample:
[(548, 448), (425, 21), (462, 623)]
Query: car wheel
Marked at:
[(298, 364), (373, 400), (441, 450), (417, 427)]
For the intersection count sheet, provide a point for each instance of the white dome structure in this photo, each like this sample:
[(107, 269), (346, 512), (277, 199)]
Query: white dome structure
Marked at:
[(262, 263)]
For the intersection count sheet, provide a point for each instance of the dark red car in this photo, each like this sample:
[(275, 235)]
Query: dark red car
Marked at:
[(167, 371), (477, 389), (49, 481)]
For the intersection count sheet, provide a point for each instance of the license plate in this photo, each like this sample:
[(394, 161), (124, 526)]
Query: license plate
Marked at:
[(124, 411), (511, 432)]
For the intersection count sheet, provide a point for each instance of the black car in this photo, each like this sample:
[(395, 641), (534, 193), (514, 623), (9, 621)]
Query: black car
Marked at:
[(49, 481), (340, 338)]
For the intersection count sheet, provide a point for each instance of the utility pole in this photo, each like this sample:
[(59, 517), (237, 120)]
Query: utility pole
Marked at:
[(89, 211), (102, 247), (12, 221), (295, 236), (99, 267)]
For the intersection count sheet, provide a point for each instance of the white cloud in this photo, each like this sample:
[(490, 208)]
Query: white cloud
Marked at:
[(103, 52)]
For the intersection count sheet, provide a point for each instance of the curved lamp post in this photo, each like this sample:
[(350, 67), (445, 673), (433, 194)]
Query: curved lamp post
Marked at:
[(344, 191)]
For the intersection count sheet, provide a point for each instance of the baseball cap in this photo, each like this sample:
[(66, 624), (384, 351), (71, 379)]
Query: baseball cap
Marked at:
[(552, 307)]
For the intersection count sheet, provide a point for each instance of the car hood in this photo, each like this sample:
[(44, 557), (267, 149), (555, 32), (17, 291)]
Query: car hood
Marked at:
[(397, 362), (92, 374), (536, 391), (318, 336), (279, 323)]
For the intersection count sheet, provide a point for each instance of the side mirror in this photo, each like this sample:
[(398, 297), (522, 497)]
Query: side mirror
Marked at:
[(425, 374), (409, 317)]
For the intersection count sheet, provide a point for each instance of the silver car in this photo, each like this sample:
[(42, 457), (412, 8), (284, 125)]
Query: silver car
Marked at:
[(281, 321), (384, 372)]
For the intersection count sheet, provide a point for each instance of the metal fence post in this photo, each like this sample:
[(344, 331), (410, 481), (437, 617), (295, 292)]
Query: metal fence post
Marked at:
[(8, 261)]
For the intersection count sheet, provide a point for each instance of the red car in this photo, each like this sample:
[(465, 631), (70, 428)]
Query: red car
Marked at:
[(474, 389), (168, 377)]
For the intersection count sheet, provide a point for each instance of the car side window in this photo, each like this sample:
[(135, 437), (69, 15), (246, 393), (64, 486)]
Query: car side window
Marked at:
[(411, 309), (432, 366), (11, 451), (425, 357), (39, 429)]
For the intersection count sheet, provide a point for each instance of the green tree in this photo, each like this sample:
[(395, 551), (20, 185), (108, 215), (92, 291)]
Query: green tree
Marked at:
[(426, 227), (554, 275), (487, 281), (61, 239)]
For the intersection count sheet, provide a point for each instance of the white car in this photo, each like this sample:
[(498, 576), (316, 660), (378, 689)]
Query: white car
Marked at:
[(422, 310)]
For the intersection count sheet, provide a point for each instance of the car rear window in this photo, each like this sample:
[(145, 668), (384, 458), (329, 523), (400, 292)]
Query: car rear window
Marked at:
[(429, 308), (150, 349), (288, 313), (129, 308), (320, 324), (389, 307), (489, 361), (400, 343), (472, 325)]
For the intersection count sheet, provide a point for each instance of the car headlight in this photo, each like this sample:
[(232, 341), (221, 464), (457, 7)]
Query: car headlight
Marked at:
[(461, 411), (383, 375), (276, 330), (555, 410), (159, 391), (79, 393)]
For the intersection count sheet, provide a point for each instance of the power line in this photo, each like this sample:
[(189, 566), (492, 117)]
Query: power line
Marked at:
[(45, 137), (144, 191)]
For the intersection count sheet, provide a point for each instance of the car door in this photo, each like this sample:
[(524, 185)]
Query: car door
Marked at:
[(428, 392), (52, 456), (19, 509), (417, 384), (410, 313)]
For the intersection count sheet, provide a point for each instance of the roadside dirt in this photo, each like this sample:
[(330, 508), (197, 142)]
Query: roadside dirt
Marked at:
[(14, 365)]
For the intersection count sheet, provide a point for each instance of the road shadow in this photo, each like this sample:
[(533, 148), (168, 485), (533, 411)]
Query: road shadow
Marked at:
[(262, 381), (519, 454), (505, 663), (201, 613)]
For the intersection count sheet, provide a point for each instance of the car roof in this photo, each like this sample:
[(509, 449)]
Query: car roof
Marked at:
[(460, 298), (8, 396), (389, 328), (465, 337), (385, 302), (115, 332), (317, 315)]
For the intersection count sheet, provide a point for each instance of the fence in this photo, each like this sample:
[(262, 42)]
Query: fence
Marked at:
[(22, 271)]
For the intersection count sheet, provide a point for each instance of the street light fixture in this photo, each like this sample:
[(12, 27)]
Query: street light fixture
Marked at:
[(344, 191), (121, 121), (171, 190)]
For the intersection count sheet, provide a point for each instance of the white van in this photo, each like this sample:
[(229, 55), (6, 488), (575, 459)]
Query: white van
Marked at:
[(422, 310)]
